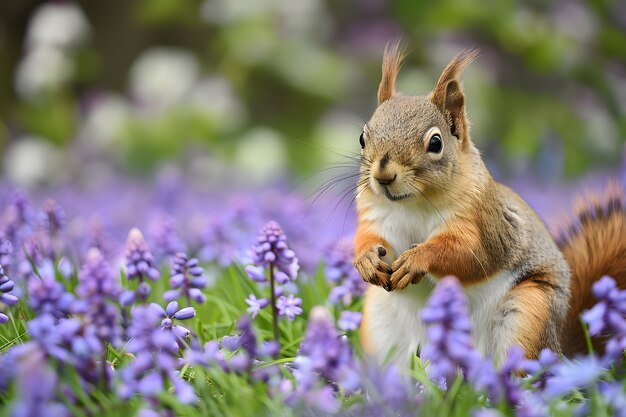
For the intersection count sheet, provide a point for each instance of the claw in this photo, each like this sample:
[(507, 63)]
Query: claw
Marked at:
[(387, 286)]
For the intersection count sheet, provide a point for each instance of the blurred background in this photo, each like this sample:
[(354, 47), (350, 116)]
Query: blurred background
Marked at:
[(252, 92)]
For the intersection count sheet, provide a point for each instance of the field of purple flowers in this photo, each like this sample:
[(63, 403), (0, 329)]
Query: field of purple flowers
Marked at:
[(178, 302), (204, 291)]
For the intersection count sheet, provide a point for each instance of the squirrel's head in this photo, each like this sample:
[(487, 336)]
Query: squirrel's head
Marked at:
[(413, 145)]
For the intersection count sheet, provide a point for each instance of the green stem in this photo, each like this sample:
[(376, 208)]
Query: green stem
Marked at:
[(274, 308)]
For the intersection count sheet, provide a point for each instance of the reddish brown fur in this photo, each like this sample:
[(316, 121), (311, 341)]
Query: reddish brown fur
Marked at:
[(533, 301), (458, 251), (596, 247), (365, 239)]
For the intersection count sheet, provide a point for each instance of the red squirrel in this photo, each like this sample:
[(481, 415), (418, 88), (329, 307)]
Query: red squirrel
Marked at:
[(428, 207)]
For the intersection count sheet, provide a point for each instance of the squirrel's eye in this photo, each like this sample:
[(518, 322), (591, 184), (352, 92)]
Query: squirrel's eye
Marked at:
[(362, 141), (436, 144)]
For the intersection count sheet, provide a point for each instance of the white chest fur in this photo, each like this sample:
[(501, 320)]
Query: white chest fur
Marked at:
[(394, 323), (404, 224)]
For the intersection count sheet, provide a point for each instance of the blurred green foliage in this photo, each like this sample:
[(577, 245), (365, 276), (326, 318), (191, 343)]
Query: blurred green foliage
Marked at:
[(548, 93)]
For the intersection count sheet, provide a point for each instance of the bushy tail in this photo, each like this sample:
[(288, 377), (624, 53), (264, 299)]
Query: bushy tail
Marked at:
[(594, 246)]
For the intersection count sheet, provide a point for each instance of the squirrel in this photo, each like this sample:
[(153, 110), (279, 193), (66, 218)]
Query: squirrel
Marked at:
[(428, 207)]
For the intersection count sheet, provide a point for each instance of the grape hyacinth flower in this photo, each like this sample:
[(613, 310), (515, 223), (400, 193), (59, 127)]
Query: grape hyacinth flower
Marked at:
[(246, 350), (330, 355), (255, 305), (608, 316), (569, 375), (504, 385), (6, 286), (73, 342), (274, 261), (156, 358), (52, 217), (171, 313), (340, 271), (449, 328), (271, 250), (237, 354), (186, 279), (614, 395), (219, 243), (289, 306), (98, 290), (388, 391), (164, 234), (36, 384), (6, 250), (324, 358), (17, 218), (46, 295), (139, 265), (542, 368), (349, 320)]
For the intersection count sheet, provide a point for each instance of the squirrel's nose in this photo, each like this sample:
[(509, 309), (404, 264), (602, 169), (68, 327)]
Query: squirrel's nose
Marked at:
[(385, 179)]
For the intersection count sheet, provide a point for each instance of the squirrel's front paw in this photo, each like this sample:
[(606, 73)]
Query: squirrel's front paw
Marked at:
[(407, 269), (372, 268)]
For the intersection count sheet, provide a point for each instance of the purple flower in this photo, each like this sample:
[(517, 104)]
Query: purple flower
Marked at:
[(6, 287), (186, 279), (163, 233), (276, 263), (271, 251), (6, 250), (219, 242), (326, 354), (17, 218), (247, 339), (389, 392), (208, 356), (98, 290), (46, 295), (256, 273), (242, 353), (340, 271), (140, 262), (170, 314), (255, 305), (71, 341), (541, 369), (608, 316), (139, 259), (324, 359), (289, 306), (52, 217), (571, 375), (449, 346), (98, 235), (155, 347), (36, 385), (349, 320), (613, 394)]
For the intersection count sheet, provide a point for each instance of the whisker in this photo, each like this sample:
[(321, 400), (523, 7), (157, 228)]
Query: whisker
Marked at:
[(351, 155), (327, 187)]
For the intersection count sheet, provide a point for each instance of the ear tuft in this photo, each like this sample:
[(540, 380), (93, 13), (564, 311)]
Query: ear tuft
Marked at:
[(448, 94), (392, 60)]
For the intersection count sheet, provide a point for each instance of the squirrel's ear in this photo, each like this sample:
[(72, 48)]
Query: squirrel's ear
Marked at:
[(392, 60), (448, 94)]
